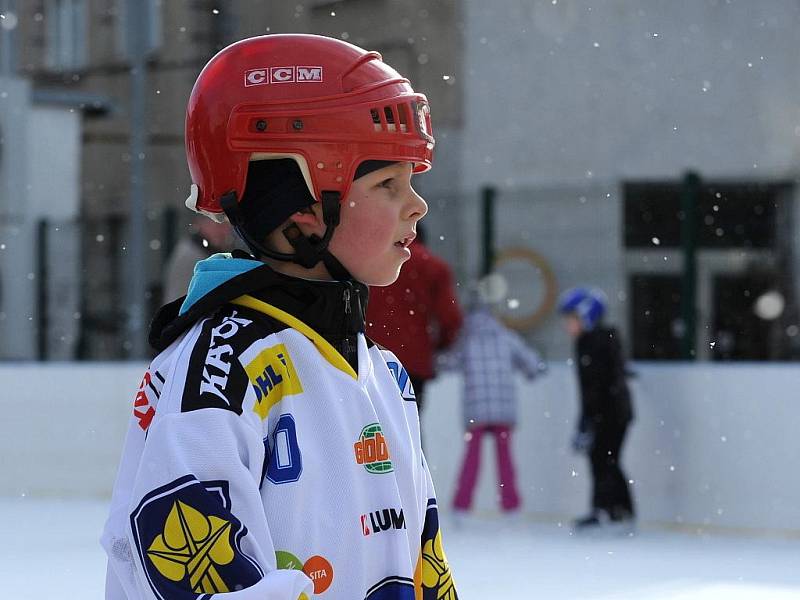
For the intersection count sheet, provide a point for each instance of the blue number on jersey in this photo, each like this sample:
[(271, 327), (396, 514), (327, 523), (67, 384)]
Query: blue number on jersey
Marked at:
[(285, 462)]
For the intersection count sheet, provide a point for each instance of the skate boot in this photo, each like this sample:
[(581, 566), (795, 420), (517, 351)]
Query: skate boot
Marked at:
[(622, 521), (591, 522)]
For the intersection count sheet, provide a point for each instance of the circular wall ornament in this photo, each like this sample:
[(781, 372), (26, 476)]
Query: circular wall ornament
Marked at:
[(532, 279)]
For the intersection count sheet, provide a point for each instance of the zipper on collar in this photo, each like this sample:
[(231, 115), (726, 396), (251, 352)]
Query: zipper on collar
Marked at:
[(352, 317), (346, 296)]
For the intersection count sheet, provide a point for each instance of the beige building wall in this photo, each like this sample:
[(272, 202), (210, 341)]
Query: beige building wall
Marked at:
[(421, 39)]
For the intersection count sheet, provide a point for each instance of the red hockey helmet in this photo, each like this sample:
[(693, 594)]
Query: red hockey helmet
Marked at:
[(328, 104)]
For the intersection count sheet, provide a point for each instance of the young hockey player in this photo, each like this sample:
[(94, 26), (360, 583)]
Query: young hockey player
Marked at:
[(606, 409), (274, 451)]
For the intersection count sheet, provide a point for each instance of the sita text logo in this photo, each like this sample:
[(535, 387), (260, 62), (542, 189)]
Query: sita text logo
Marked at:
[(317, 568), (371, 450), (290, 74)]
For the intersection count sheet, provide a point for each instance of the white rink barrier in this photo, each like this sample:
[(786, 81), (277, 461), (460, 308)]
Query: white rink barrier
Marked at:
[(63, 426), (712, 445)]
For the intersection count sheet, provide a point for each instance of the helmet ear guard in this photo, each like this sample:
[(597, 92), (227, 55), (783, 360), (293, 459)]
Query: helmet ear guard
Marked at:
[(309, 251)]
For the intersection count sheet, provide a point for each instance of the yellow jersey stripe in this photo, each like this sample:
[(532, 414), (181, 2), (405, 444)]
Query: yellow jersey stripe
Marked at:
[(323, 346)]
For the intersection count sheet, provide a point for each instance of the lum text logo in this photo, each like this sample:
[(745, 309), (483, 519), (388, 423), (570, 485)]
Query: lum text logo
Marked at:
[(382, 520)]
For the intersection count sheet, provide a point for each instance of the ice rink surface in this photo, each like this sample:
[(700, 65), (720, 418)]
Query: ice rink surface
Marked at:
[(50, 550)]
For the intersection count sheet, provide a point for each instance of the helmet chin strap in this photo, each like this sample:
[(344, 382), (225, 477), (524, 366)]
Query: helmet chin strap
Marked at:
[(308, 251)]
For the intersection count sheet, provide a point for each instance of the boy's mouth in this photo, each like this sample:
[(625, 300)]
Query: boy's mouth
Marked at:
[(406, 241)]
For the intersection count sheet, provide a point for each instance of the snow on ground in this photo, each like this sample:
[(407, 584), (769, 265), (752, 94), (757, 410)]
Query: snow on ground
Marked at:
[(50, 549)]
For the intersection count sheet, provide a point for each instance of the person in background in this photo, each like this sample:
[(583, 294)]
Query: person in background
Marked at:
[(417, 315), (204, 238), (606, 409), (488, 353)]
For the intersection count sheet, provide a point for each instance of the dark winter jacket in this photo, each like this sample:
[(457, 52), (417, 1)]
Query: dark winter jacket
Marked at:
[(605, 398), (334, 309)]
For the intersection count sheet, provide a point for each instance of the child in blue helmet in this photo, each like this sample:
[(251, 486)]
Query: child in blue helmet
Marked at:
[(606, 410)]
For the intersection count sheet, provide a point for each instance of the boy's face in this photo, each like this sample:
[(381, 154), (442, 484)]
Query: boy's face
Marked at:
[(573, 325), (378, 223)]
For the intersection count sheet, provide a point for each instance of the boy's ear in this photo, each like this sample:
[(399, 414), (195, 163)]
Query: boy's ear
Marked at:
[(309, 220)]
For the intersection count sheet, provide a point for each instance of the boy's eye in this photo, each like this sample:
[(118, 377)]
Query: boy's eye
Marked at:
[(386, 183)]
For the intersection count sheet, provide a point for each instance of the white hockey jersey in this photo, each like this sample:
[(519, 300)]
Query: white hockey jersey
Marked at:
[(259, 465)]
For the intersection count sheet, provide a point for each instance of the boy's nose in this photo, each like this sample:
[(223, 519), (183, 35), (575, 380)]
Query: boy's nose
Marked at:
[(418, 206)]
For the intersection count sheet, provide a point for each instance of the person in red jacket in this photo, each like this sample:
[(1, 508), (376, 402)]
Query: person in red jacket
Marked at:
[(417, 315)]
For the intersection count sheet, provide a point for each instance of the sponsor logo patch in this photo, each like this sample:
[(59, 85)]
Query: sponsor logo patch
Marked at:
[(143, 408), (317, 568), (402, 379), (382, 520), (273, 376), (189, 541), (286, 74), (371, 450), (217, 363)]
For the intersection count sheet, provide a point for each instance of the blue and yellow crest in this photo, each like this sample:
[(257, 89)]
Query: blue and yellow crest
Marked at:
[(189, 541), (392, 588), (433, 577)]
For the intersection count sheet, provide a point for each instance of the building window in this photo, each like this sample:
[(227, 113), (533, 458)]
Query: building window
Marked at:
[(65, 34), (150, 13), (655, 316), (728, 215), (741, 263)]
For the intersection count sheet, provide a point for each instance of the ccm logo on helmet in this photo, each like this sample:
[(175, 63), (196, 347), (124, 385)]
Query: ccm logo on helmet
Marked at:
[(295, 74)]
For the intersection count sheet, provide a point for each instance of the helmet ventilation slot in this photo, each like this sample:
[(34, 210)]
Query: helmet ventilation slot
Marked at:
[(391, 118)]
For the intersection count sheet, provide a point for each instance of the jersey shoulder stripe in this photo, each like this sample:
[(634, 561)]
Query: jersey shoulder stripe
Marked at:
[(215, 377)]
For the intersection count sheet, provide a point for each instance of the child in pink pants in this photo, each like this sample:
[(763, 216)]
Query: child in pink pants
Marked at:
[(488, 354)]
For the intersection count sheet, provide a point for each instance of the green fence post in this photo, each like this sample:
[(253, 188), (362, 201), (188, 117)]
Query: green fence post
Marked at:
[(690, 195), (488, 195)]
